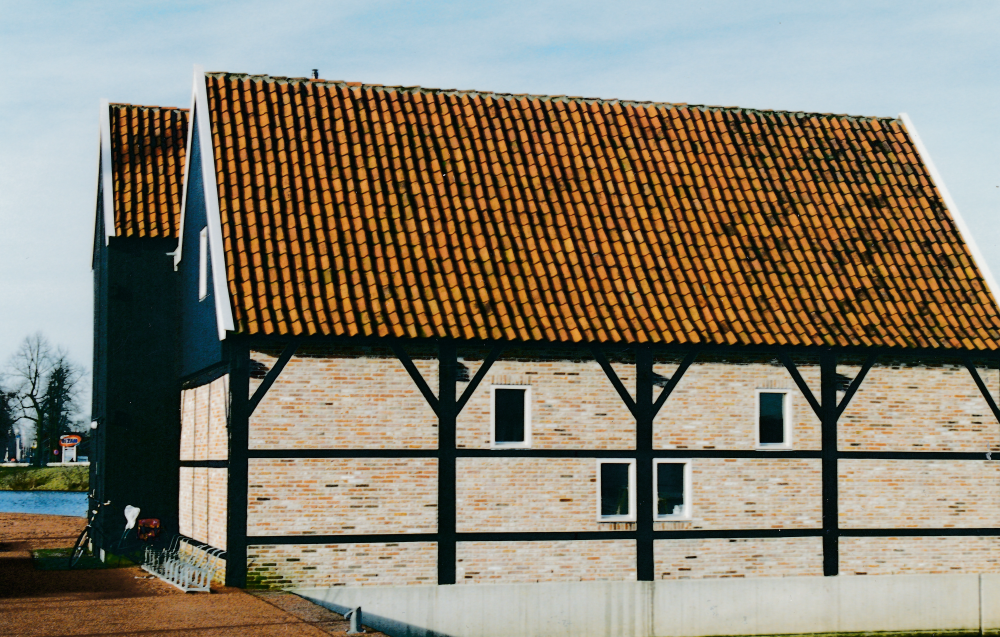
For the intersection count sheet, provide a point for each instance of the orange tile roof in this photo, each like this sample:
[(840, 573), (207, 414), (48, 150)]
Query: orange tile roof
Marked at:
[(354, 209), (147, 163)]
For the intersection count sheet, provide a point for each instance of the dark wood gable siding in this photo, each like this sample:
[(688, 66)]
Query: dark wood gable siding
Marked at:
[(201, 348)]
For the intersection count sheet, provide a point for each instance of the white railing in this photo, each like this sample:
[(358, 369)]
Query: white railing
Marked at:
[(190, 572)]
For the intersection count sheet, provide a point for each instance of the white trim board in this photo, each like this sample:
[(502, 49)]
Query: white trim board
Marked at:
[(220, 287), (106, 177), (963, 229), (187, 169)]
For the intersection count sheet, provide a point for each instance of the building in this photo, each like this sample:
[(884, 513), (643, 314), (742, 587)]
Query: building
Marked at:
[(454, 337)]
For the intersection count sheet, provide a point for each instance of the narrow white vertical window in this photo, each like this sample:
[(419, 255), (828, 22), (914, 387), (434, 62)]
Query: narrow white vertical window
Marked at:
[(774, 419), (511, 416), (203, 264), (616, 490), (672, 489)]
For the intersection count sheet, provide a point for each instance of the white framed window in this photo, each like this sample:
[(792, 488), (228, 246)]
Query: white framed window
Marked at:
[(510, 417), (671, 489), (203, 264), (616, 490), (774, 419)]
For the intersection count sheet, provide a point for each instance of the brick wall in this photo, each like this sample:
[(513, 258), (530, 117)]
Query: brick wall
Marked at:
[(560, 494), (714, 405), (342, 496), (202, 511), (919, 493), (919, 555), (758, 557), (902, 407), (288, 565), (564, 561), (204, 436), (362, 398), (574, 405), (344, 398), (204, 433)]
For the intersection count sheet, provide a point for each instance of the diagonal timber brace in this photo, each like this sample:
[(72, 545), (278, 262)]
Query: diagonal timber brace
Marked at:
[(609, 371), (272, 375), (983, 389), (674, 379), (793, 371), (414, 373)]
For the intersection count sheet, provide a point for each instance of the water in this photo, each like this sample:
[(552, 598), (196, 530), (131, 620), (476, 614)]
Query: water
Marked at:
[(49, 502)]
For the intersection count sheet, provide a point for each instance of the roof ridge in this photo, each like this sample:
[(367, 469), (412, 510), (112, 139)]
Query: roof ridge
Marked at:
[(149, 106), (533, 96)]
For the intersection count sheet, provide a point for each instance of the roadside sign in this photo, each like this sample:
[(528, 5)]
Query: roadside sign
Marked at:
[(70, 440)]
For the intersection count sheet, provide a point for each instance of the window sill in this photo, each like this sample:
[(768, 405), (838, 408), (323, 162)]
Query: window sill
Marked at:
[(773, 446)]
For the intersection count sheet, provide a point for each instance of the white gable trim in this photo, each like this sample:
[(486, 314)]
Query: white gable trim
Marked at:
[(107, 181), (187, 171), (963, 229), (220, 288)]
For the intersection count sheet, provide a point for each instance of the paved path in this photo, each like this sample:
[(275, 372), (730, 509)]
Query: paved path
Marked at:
[(125, 601)]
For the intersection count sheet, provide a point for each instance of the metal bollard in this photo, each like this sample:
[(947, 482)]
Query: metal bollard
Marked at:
[(354, 616)]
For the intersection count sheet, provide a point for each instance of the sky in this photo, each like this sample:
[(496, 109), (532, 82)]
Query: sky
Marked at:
[(938, 62)]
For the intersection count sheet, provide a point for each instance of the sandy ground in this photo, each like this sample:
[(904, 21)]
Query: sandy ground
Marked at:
[(126, 601)]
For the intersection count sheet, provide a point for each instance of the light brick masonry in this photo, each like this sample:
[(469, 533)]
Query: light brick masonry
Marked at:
[(342, 496), (342, 564), (362, 398), (682, 559), (565, 561), (204, 436)]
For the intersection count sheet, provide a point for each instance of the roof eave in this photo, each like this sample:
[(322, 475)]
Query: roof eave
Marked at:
[(963, 229)]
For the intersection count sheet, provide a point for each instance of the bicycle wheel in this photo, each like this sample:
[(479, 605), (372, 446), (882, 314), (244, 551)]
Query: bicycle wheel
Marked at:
[(79, 548)]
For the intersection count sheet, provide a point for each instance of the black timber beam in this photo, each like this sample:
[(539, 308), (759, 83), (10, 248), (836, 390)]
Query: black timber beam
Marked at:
[(239, 443), (447, 472), (446, 406), (828, 417)]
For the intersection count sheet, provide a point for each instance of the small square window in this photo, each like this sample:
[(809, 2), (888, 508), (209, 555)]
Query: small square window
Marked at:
[(773, 419), (616, 490), (672, 489), (511, 416), (203, 264)]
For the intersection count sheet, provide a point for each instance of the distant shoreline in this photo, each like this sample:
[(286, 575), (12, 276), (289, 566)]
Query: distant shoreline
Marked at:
[(66, 479)]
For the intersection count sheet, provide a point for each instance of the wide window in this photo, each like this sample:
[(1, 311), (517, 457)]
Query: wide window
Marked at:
[(511, 416), (616, 490), (773, 418), (672, 489)]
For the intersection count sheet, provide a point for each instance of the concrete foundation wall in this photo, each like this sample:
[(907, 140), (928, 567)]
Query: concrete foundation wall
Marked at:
[(758, 606)]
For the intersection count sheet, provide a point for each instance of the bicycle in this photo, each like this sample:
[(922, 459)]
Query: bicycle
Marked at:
[(93, 530)]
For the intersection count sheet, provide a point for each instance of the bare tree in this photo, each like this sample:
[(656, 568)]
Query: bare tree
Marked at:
[(8, 444), (44, 383)]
